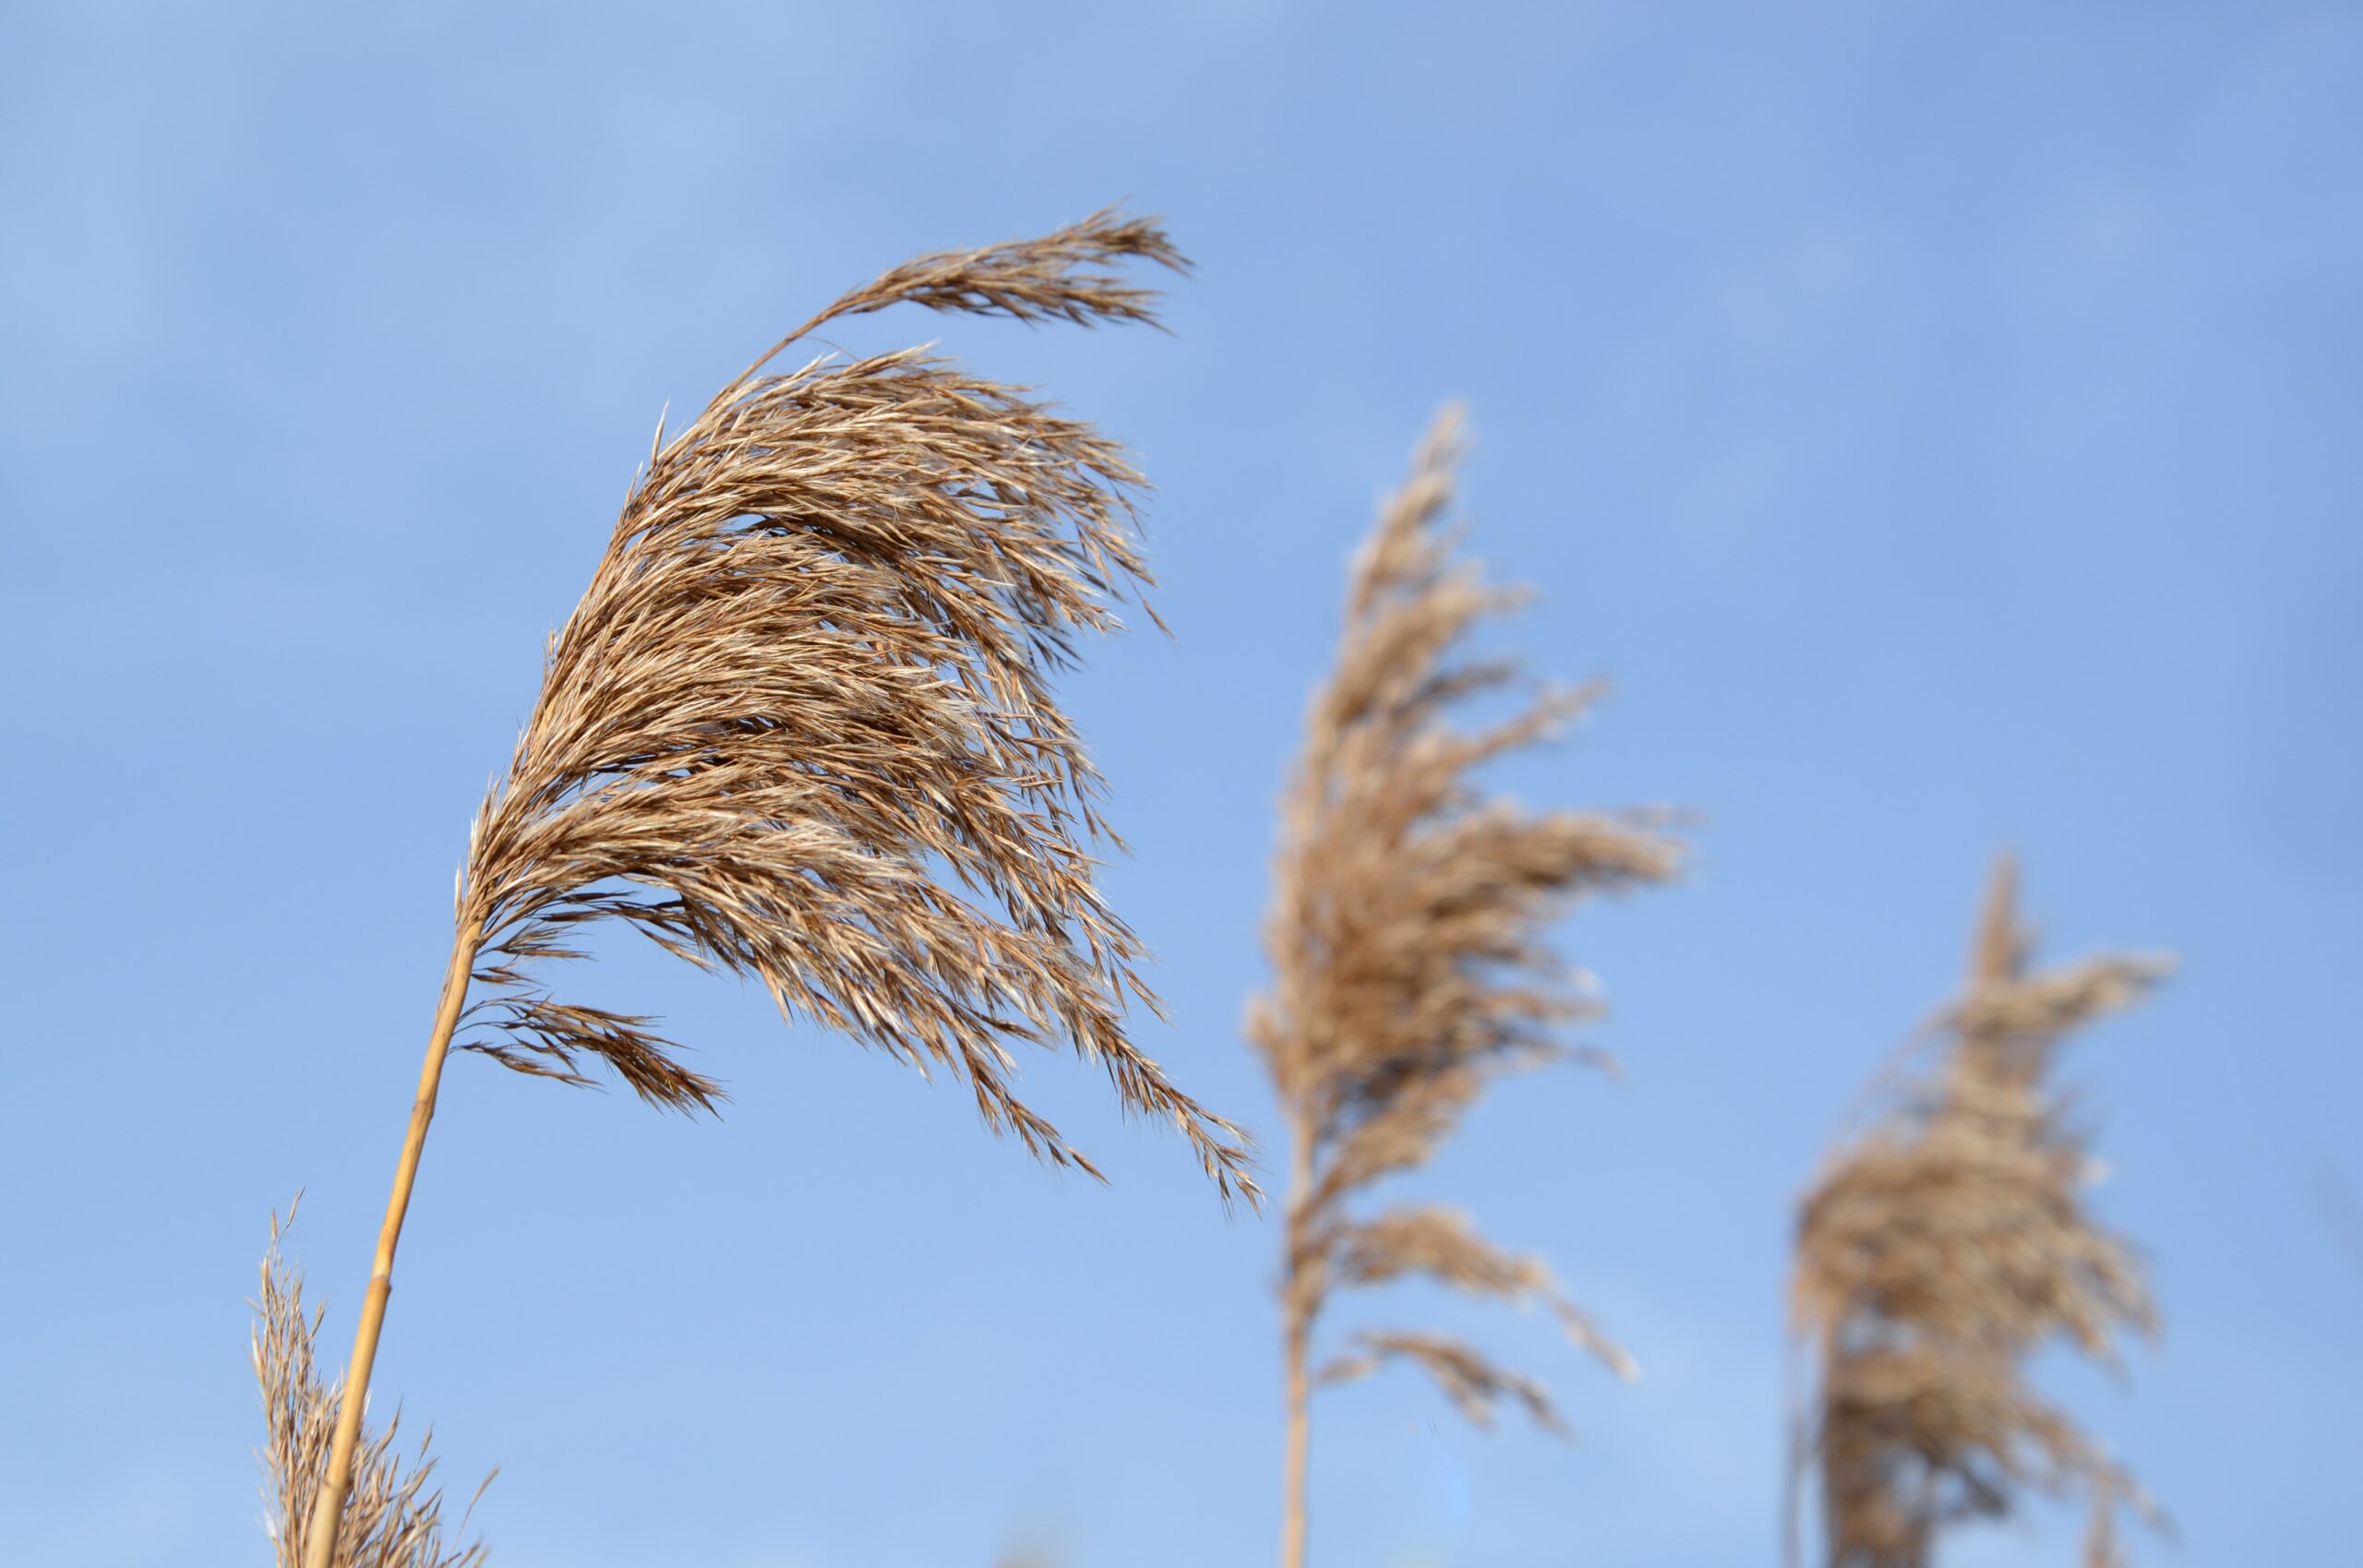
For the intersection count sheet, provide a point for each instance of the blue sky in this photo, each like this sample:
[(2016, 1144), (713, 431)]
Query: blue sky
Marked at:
[(1938, 420)]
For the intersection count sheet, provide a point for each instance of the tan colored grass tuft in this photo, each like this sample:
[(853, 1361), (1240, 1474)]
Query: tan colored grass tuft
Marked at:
[(801, 727), (1411, 965), (394, 1518), (1937, 1253)]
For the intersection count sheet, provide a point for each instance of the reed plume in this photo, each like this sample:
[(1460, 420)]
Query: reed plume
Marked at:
[(801, 727), (1938, 1253), (395, 1517), (1412, 966)]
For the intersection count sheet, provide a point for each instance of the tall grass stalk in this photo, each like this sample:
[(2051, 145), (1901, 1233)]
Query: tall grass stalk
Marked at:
[(1411, 962), (801, 727)]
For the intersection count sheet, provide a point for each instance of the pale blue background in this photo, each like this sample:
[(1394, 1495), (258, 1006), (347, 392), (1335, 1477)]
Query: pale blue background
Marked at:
[(1940, 420)]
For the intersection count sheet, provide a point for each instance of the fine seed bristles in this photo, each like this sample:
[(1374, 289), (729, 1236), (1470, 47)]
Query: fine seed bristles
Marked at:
[(1411, 965), (394, 1517), (801, 728), (1940, 1251)]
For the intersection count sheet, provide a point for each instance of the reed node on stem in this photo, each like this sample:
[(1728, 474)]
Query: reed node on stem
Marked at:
[(394, 1517)]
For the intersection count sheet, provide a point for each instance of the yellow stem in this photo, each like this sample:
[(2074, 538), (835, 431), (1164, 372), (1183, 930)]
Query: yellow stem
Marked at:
[(328, 1507), (1296, 1318)]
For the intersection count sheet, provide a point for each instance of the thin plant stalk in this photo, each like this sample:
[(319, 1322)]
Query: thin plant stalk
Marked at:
[(328, 1508), (393, 1515), (1296, 1330)]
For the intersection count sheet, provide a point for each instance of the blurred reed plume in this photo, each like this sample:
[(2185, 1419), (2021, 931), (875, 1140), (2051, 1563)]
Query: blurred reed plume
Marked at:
[(394, 1519), (1411, 966), (1936, 1254), (801, 727)]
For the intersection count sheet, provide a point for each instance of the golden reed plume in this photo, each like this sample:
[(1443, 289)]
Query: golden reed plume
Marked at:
[(801, 727), (1410, 962), (1940, 1252)]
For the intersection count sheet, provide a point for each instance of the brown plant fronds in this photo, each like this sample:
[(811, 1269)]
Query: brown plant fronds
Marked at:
[(1939, 1251), (394, 1518), (1473, 1383), (1065, 276), (801, 727), (1409, 940)]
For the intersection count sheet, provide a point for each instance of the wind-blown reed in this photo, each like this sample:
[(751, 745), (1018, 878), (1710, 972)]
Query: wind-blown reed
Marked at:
[(1940, 1252), (1411, 965), (801, 728), (394, 1518)]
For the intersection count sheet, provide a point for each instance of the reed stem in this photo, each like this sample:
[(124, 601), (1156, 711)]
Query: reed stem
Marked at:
[(328, 1507), (1292, 1465), (1297, 1332)]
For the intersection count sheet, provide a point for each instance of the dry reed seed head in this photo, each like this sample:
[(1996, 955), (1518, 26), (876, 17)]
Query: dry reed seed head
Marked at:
[(2009, 1026), (1474, 1384), (393, 1515), (1881, 1405), (801, 727), (1969, 1226), (1409, 932), (1067, 276), (1895, 1490), (1937, 1252)]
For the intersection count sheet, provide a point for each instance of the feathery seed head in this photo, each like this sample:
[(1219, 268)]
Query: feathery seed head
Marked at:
[(1937, 1252), (801, 726), (1409, 933)]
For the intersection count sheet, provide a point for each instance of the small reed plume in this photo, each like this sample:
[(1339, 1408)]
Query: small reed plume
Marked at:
[(394, 1518), (801, 728), (1936, 1254), (1412, 966)]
